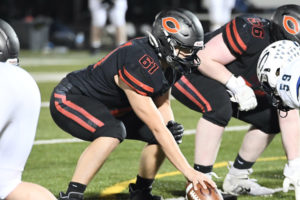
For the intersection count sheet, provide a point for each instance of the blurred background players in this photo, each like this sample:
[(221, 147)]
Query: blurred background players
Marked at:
[(20, 103), (100, 10), (219, 12)]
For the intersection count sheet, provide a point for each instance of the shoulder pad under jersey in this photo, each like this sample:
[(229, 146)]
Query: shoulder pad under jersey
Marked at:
[(246, 34), (142, 72)]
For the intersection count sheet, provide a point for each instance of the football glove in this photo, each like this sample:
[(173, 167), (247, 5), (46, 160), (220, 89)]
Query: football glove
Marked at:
[(177, 130), (241, 93), (292, 177)]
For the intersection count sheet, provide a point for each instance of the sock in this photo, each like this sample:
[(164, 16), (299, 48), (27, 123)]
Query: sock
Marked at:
[(142, 183), (240, 163), (76, 187), (203, 169)]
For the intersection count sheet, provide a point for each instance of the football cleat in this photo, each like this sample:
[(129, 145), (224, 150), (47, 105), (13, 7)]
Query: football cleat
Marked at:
[(237, 182), (225, 196), (142, 194), (71, 196)]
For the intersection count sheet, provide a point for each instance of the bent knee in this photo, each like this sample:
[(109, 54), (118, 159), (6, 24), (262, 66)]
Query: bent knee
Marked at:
[(220, 116)]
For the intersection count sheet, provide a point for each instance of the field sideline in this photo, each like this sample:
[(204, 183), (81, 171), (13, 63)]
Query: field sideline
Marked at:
[(52, 165)]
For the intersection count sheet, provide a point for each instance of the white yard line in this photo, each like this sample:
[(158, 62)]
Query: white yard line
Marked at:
[(187, 132), (55, 77), (42, 77), (40, 62)]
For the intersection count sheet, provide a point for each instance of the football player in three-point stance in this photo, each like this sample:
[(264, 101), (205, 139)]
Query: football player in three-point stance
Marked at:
[(228, 63), (20, 103), (278, 71), (125, 95)]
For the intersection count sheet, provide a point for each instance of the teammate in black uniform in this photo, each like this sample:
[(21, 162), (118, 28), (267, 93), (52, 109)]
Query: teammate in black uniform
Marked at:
[(230, 57), (126, 96)]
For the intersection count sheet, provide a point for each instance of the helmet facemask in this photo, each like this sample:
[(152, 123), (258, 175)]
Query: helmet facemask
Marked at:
[(275, 98), (183, 58)]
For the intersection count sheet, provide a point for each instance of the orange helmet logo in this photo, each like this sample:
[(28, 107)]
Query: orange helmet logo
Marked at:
[(294, 29), (166, 24)]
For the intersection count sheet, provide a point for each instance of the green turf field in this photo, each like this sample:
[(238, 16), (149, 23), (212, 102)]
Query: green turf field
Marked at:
[(52, 165)]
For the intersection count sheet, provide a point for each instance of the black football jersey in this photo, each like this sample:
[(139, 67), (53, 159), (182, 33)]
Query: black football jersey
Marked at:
[(135, 62), (246, 36)]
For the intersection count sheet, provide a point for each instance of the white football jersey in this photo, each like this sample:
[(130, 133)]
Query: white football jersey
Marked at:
[(20, 103)]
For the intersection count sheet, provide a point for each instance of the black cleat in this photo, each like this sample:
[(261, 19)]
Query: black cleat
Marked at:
[(142, 194), (71, 196)]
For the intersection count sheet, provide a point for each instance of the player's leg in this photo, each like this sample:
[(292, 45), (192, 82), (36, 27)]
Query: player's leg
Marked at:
[(209, 97), (254, 143), (265, 126), (90, 120), (290, 131), (151, 158), (207, 142), (93, 158)]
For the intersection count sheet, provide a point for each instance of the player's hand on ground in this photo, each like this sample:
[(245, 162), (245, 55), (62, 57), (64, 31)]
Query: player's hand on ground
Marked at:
[(292, 177), (241, 93), (197, 177)]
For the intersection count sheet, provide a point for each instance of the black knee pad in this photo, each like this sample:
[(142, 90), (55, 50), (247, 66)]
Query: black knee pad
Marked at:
[(269, 129), (220, 116)]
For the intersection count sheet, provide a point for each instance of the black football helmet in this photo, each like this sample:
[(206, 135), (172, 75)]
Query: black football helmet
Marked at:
[(9, 44), (286, 22), (178, 29)]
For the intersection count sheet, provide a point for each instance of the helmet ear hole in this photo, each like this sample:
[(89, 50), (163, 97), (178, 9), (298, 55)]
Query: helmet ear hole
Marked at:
[(277, 72)]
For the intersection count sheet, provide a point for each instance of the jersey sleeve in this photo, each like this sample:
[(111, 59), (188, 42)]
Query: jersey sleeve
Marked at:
[(245, 34), (140, 72)]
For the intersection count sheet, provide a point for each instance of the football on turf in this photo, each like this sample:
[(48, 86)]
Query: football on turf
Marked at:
[(202, 194)]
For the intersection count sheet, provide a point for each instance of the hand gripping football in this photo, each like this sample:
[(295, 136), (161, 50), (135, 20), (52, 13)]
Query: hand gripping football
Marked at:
[(202, 194)]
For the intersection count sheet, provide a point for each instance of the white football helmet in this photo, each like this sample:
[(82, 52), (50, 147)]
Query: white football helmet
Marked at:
[(271, 62)]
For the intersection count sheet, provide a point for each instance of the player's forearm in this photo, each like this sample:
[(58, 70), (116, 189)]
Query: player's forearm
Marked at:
[(171, 149), (164, 106), (166, 112)]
